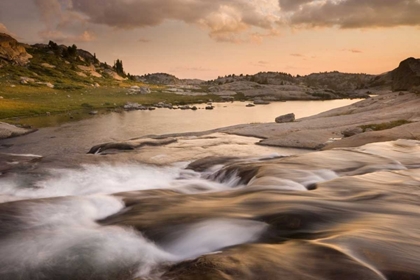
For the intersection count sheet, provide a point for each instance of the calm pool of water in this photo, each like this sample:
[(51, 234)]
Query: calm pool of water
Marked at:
[(81, 135)]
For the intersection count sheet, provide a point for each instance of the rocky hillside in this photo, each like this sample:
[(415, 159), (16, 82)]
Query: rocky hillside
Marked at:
[(12, 52), (52, 65), (283, 86), (67, 67), (166, 79), (407, 75), (159, 78), (343, 82)]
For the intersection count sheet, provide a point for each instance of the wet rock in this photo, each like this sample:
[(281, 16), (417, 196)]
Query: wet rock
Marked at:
[(8, 130), (132, 106), (130, 145), (286, 118), (207, 162), (352, 131), (261, 102)]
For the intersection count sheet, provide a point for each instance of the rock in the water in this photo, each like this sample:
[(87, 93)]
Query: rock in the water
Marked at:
[(261, 102), (132, 106), (8, 130), (352, 131), (286, 118)]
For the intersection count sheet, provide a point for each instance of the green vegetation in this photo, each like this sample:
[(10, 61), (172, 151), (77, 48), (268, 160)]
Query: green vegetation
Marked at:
[(60, 79), (384, 126), (28, 101), (118, 67)]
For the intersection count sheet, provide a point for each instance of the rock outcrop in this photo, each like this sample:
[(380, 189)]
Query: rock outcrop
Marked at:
[(286, 118), (407, 75), (13, 52), (343, 82), (8, 130)]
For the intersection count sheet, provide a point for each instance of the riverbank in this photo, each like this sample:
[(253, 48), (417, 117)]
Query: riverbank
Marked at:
[(213, 205), (378, 119), (381, 118), (21, 101)]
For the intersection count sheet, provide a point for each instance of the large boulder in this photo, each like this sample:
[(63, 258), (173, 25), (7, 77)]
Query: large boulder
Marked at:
[(407, 75), (286, 118), (13, 52)]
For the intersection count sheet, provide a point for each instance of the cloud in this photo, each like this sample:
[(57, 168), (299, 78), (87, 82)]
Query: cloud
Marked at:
[(49, 11), (190, 69), (354, 13), (233, 21), (262, 62), (61, 24), (297, 55), (3, 28), (353, 50), (224, 20), (144, 40), (292, 5), (85, 36)]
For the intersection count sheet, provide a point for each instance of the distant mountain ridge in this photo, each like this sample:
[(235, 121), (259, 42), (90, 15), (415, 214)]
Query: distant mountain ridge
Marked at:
[(69, 67)]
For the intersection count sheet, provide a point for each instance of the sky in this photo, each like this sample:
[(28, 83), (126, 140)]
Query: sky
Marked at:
[(205, 39)]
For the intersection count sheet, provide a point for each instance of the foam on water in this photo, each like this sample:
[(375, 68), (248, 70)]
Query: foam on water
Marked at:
[(56, 231), (92, 179), (48, 239), (208, 236)]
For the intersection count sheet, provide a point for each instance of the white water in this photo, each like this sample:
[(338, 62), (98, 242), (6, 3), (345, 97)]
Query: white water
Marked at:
[(57, 231), (61, 235), (56, 234), (208, 236)]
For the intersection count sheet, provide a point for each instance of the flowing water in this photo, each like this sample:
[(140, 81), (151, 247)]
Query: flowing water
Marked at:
[(313, 216), (339, 214)]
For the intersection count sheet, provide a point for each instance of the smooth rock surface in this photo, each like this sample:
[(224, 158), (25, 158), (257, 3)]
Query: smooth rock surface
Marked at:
[(286, 118)]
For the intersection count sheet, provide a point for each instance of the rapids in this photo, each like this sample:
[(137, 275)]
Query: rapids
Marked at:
[(337, 214)]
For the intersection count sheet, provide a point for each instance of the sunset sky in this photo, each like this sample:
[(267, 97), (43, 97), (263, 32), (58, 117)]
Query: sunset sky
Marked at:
[(207, 38)]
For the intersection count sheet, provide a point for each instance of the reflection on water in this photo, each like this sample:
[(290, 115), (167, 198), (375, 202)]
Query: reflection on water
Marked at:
[(174, 121), (113, 127), (338, 214)]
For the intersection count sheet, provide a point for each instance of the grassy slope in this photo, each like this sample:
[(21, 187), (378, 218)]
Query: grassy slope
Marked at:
[(72, 92)]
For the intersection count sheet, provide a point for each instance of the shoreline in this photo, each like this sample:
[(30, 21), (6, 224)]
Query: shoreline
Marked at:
[(318, 132), (395, 114)]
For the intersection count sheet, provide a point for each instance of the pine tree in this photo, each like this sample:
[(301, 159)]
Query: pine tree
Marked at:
[(118, 67)]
